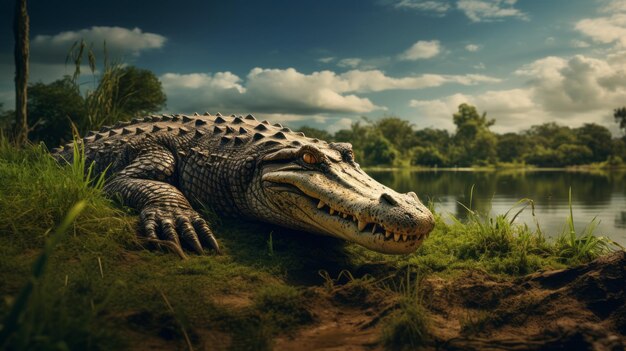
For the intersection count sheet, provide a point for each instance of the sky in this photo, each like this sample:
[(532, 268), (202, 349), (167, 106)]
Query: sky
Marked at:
[(327, 63)]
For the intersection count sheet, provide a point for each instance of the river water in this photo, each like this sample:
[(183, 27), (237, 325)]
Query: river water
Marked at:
[(598, 194)]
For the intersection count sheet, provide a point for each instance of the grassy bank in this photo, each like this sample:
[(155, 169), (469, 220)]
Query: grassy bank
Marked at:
[(92, 285)]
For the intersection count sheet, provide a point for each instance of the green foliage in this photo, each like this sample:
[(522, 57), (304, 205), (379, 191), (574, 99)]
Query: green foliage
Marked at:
[(315, 133), (597, 139), (428, 156), (407, 327), (620, 117), (139, 92), (511, 146), (120, 92), (51, 110), (397, 131), (123, 92), (377, 150), (571, 154), (371, 148), (391, 141), (581, 248)]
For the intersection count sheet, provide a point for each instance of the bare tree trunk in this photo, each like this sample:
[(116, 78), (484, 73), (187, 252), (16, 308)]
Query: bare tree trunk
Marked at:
[(21, 32)]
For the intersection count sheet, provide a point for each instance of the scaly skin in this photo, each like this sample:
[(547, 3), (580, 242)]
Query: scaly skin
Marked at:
[(163, 166)]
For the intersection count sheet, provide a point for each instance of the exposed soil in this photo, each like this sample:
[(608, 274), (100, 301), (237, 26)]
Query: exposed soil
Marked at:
[(582, 308)]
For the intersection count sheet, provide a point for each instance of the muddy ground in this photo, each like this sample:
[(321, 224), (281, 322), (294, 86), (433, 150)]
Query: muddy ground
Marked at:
[(582, 308)]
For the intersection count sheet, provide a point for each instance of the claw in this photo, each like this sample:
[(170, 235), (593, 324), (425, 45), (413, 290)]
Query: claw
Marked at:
[(206, 235), (188, 234), (169, 231)]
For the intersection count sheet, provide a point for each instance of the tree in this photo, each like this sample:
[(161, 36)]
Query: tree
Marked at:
[(439, 138), (473, 137), (397, 131), (570, 154), (512, 146), (139, 92), (21, 53), (357, 136), (620, 117), (377, 150), (53, 108), (315, 133), (597, 138), (551, 135), (428, 156), (122, 92)]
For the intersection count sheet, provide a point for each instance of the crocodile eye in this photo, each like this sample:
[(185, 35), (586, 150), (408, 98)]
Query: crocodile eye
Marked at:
[(309, 158)]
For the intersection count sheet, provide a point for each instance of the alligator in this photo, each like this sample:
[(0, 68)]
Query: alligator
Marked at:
[(167, 166)]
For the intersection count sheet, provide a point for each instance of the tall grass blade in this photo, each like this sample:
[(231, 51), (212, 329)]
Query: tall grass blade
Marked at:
[(11, 322)]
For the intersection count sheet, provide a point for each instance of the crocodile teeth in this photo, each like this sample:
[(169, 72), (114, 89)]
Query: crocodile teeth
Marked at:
[(396, 237), (362, 225), (321, 204), (374, 228), (404, 237), (344, 215), (332, 212)]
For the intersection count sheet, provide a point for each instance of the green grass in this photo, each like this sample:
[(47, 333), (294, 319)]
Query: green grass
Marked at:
[(407, 328), (99, 289)]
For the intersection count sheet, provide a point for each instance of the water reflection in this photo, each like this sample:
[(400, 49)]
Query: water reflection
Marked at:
[(620, 220), (600, 195)]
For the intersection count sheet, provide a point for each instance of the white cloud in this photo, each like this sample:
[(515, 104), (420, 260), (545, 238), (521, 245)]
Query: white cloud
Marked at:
[(439, 7), (326, 59), (266, 90), (421, 50), (352, 62), (479, 65), (490, 10), (472, 47), (569, 91), (606, 30), (614, 6), (287, 91), (580, 44), (119, 41)]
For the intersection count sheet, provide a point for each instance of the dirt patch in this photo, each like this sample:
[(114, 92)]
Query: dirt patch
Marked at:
[(347, 318), (582, 308)]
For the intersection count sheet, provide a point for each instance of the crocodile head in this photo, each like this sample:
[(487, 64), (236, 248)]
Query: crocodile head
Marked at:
[(318, 187)]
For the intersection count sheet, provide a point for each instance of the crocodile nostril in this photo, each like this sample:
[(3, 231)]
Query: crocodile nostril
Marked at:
[(386, 197)]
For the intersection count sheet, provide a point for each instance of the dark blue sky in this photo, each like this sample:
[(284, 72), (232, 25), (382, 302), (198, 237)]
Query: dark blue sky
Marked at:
[(326, 63)]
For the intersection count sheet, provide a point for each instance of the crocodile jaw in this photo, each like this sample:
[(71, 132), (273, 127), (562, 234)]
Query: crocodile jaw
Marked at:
[(319, 206)]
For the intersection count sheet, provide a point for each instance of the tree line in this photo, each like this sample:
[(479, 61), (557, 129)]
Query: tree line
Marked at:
[(392, 141)]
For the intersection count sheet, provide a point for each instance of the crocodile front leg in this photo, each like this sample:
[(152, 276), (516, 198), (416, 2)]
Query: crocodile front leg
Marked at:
[(164, 212)]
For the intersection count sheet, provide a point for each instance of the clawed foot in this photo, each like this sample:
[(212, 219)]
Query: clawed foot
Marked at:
[(177, 226)]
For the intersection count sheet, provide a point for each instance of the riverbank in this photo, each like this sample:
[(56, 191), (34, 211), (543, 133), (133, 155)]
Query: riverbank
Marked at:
[(516, 167), (98, 288)]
